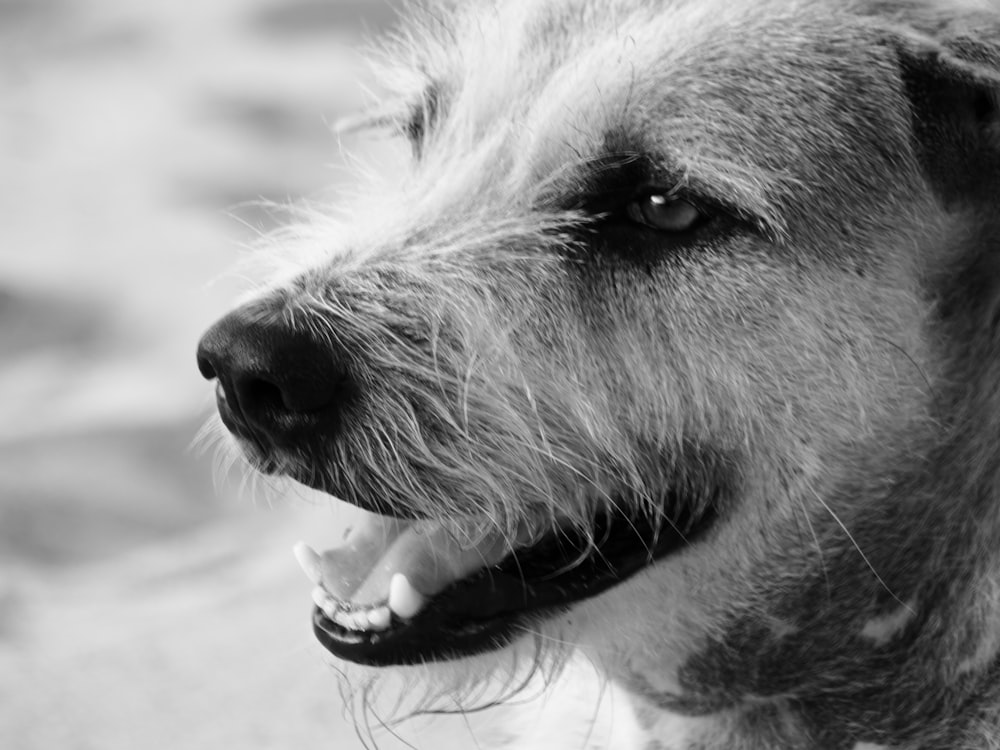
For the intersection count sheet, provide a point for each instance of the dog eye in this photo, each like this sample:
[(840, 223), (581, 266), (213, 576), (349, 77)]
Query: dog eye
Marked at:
[(663, 212)]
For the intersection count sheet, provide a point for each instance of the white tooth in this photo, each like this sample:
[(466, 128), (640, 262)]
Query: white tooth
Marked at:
[(359, 620), (404, 600), (324, 601), (379, 618), (320, 597), (309, 559), (345, 619), (352, 620)]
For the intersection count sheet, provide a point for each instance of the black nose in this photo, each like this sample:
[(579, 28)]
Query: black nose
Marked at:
[(276, 380)]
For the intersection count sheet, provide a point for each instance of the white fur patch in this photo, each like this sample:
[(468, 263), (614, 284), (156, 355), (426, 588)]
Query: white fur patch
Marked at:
[(984, 655), (881, 630), (675, 732)]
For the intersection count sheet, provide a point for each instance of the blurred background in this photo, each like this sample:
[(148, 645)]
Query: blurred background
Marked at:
[(141, 606)]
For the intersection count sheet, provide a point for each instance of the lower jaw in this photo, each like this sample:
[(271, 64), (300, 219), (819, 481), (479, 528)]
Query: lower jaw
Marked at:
[(417, 646)]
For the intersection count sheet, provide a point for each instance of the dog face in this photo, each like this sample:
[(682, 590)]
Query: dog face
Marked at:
[(651, 350)]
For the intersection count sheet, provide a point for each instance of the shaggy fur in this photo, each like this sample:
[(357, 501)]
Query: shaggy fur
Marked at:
[(820, 361)]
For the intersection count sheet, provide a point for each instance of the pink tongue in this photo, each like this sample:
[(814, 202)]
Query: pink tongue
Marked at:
[(430, 556)]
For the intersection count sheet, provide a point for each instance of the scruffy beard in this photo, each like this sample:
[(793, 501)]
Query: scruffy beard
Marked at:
[(387, 697)]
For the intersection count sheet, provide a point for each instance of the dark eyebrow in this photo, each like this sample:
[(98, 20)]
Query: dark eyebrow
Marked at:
[(622, 165), (611, 179), (619, 171)]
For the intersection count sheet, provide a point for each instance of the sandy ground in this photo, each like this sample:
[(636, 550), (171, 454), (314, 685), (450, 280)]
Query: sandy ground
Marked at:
[(140, 606)]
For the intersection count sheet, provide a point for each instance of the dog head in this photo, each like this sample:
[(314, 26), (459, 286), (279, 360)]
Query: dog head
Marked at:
[(670, 342)]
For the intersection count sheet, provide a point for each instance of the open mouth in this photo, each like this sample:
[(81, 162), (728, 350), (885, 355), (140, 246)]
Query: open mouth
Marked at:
[(408, 592)]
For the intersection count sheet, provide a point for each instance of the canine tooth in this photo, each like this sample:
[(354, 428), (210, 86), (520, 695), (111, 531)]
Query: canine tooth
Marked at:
[(404, 600), (309, 560), (379, 618)]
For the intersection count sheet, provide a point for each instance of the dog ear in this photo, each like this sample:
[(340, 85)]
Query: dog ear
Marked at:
[(952, 81)]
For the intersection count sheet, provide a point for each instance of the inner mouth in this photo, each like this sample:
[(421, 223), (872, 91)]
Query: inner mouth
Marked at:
[(465, 600)]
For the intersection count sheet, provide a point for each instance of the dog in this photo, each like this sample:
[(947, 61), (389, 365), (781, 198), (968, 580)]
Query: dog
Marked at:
[(675, 342)]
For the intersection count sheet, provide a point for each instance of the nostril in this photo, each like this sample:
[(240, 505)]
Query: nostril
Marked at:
[(206, 368), (258, 395)]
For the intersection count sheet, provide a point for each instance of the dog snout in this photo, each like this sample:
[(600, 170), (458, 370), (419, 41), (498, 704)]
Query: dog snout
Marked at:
[(275, 379)]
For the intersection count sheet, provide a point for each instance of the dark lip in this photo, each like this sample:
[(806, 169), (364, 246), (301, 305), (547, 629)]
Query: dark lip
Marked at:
[(257, 452), (231, 416), (487, 610)]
